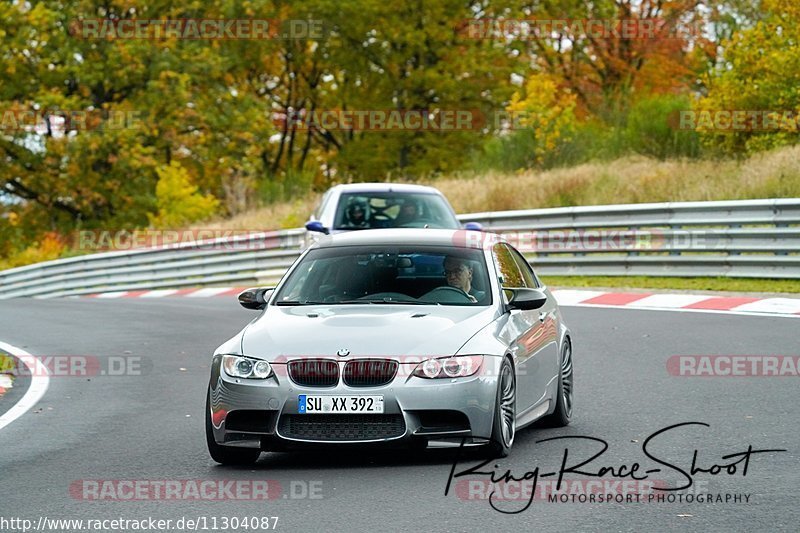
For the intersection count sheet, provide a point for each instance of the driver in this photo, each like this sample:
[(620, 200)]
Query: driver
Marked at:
[(458, 273), (409, 212)]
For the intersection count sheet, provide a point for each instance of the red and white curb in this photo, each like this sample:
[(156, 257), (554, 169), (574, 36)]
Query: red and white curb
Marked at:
[(161, 293), (704, 303), (699, 303)]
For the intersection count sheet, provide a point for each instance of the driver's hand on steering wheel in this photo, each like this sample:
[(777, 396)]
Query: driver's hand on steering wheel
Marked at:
[(471, 297), (465, 293)]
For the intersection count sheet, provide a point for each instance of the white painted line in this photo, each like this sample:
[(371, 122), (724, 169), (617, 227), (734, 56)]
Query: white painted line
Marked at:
[(207, 292), (158, 293), (40, 380), (668, 301), (569, 296), (772, 305), (114, 294)]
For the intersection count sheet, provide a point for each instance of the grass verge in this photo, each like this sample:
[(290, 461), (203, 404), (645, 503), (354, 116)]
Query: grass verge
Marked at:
[(738, 285), (628, 180)]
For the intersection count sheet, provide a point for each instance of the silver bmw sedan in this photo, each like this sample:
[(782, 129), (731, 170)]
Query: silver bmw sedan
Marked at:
[(394, 337)]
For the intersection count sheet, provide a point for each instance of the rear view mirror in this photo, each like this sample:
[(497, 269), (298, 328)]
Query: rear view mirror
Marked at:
[(526, 299), (255, 298)]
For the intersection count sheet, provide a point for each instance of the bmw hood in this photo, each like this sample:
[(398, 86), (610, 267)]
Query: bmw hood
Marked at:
[(374, 330)]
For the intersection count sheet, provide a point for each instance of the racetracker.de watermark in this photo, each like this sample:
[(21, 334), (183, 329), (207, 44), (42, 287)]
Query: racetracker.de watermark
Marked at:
[(524, 490), (65, 120), (395, 120), (197, 29), (533, 28), (735, 120), (728, 366), (82, 366), (194, 490), (377, 120), (364, 367), (599, 240), (188, 239)]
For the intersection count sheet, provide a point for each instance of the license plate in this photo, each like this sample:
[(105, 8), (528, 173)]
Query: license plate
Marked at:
[(339, 404)]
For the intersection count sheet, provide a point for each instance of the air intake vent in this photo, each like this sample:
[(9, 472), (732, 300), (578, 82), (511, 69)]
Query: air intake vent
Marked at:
[(342, 427)]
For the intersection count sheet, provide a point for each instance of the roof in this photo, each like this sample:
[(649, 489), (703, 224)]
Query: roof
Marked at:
[(416, 236), (386, 187)]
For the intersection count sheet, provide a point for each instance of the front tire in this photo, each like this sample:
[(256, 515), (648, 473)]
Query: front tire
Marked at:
[(563, 414), (226, 455), (504, 426)]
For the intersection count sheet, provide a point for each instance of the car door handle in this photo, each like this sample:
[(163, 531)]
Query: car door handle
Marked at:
[(542, 316)]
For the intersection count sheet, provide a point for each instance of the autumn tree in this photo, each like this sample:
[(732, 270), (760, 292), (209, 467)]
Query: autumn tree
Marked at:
[(759, 71)]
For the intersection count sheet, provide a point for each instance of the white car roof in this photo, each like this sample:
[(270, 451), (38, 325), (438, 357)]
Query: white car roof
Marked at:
[(415, 236), (385, 187)]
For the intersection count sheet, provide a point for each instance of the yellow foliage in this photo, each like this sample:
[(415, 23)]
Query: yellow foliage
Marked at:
[(179, 202), (48, 248), (6, 364), (545, 108)]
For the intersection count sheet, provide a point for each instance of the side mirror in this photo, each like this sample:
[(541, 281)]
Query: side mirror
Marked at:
[(316, 225), (474, 226), (255, 298), (526, 299)]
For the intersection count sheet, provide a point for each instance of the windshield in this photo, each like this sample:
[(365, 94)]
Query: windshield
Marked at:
[(393, 210), (404, 275)]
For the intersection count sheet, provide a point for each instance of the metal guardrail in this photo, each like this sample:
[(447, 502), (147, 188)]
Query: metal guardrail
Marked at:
[(750, 238), (244, 260)]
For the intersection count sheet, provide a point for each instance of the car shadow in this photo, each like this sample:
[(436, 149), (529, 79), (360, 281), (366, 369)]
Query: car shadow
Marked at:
[(338, 457)]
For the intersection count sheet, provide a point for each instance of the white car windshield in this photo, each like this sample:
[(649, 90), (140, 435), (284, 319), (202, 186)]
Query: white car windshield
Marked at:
[(393, 210), (410, 275)]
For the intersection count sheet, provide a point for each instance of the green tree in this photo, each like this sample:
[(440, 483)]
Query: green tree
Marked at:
[(759, 71)]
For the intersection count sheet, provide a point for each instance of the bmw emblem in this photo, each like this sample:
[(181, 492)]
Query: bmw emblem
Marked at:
[(344, 352)]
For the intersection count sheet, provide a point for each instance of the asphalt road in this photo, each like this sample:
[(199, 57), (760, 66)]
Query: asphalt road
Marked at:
[(150, 427)]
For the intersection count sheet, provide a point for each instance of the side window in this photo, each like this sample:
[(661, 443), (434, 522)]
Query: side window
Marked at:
[(507, 266), (525, 268)]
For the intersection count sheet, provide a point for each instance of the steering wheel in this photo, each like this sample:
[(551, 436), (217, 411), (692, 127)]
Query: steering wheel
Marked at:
[(449, 290)]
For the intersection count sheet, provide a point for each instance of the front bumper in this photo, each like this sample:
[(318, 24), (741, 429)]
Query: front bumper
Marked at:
[(418, 412)]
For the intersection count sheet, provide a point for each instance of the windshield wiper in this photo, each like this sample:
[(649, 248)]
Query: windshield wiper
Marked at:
[(386, 301), (358, 301)]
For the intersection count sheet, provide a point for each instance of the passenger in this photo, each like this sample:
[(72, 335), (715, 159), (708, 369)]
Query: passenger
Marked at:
[(357, 213)]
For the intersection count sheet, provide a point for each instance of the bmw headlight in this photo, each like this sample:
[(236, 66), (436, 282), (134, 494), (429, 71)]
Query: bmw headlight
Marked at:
[(449, 367), (246, 367)]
